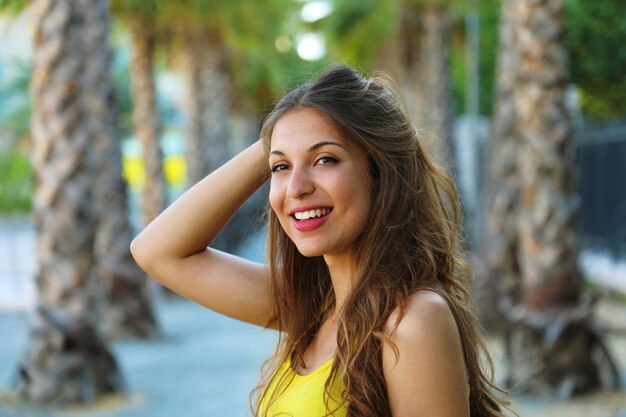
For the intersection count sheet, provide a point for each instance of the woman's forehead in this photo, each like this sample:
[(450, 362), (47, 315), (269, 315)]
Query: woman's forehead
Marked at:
[(306, 126)]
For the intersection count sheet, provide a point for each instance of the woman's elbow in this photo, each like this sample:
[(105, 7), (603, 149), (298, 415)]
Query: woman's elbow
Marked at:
[(141, 253)]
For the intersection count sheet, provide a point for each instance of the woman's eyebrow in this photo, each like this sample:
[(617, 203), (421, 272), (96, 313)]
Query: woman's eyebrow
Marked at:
[(324, 143), (312, 148)]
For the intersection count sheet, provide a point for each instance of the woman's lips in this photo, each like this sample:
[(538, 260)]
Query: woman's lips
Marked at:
[(309, 224)]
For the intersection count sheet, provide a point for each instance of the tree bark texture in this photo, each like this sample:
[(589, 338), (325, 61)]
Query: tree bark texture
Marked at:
[(429, 91), (66, 361), (146, 116), (554, 345), (208, 104), (126, 307), (392, 55), (194, 102), (208, 112), (545, 160), (499, 273), (416, 56)]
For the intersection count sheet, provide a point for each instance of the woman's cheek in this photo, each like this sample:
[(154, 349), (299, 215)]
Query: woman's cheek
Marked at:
[(275, 197)]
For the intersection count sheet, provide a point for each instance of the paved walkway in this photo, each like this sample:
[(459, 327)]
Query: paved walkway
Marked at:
[(205, 366), (17, 264)]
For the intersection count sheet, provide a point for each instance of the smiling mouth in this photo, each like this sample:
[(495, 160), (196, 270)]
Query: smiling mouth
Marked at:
[(311, 214)]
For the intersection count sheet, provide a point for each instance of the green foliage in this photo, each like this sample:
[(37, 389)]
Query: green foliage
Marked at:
[(247, 29), (259, 71), (596, 32), (489, 33), (356, 29), (488, 16), (489, 19), (12, 7), (458, 66), (129, 8), (16, 182)]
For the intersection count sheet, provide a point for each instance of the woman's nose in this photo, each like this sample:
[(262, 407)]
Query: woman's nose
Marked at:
[(300, 183)]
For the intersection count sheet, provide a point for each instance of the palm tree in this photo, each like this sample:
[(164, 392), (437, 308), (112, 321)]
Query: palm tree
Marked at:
[(145, 114), (500, 273), (208, 84), (140, 18), (202, 68), (66, 361), (425, 27), (553, 344), (213, 36), (126, 305)]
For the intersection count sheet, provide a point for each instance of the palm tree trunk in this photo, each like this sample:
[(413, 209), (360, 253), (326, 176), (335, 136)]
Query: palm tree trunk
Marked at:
[(146, 116), (208, 104), (549, 203), (429, 77), (217, 90), (553, 344), (194, 102), (394, 54), (126, 305), (499, 275), (66, 361)]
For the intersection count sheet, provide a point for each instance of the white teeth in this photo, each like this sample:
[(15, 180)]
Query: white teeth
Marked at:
[(305, 215)]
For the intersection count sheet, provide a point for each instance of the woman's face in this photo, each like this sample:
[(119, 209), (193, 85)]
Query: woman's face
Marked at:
[(321, 188)]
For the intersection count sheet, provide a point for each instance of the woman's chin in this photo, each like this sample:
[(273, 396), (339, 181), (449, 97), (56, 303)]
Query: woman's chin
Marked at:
[(309, 252)]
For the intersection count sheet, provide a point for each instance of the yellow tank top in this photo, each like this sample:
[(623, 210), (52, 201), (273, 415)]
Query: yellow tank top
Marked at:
[(302, 395)]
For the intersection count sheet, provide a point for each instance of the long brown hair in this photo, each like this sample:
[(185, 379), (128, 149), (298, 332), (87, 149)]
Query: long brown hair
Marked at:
[(412, 241)]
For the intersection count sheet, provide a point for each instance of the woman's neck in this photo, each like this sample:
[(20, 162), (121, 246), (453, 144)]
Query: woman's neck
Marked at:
[(342, 271)]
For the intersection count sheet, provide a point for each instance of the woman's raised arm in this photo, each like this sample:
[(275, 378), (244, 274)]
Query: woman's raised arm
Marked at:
[(173, 248)]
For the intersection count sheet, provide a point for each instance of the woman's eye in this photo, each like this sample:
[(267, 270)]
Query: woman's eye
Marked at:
[(324, 160), (279, 167)]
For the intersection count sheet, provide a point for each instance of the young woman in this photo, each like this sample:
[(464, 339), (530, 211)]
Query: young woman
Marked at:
[(366, 281)]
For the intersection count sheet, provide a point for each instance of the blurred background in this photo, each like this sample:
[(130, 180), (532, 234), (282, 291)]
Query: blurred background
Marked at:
[(109, 110)]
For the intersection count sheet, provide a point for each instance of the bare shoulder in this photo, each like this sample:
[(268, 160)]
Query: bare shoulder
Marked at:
[(426, 357), (425, 311)]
